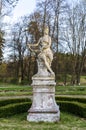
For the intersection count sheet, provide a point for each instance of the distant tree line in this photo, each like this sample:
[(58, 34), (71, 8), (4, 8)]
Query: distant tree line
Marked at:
[(67, 27)]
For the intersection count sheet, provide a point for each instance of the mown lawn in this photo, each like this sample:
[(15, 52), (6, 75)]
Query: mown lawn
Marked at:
[(15, 90), (20, 90), (19, 122), (70, 90)]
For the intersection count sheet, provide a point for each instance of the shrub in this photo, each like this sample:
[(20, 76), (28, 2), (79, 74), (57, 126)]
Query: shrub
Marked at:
[(13, 81), (82, 100), (12, 109), (11, 101), (76, 108)]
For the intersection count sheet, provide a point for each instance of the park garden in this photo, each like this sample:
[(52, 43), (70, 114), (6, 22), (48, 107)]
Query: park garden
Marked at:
[(15, 100), (67, 28)]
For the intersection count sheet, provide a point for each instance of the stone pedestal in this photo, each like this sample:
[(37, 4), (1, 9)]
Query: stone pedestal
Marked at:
[(44, 107)]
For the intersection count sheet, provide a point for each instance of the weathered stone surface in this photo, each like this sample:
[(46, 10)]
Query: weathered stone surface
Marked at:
[(43, 81), (45, 117), (44, 107)]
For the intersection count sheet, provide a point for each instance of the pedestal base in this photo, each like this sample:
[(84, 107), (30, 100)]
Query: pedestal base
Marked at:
[(45, 117), (44, 107)]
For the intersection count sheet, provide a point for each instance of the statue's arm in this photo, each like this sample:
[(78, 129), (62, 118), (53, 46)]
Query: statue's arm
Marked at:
[(34, 45)]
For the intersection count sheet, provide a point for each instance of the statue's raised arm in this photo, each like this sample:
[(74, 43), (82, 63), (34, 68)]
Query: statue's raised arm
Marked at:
[(34, 47)]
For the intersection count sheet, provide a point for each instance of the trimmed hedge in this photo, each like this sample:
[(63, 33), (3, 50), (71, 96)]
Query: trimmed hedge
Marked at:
[(72, 105), (76, 108), (11, 101), (12, 109), (61, 98)]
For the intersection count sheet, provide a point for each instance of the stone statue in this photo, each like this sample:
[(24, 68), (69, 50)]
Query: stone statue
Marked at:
[(45, 55), (44, 107)]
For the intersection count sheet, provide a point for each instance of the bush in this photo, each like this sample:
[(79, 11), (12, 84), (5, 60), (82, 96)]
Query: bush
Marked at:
[(12, 109), (13, 81), (82, 100), (11, 101), (76, 108)]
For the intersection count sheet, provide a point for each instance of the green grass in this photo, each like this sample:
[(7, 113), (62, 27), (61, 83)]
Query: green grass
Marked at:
[(15, 93), (70, 90), (19, 122), (20, 90), (15, 90)]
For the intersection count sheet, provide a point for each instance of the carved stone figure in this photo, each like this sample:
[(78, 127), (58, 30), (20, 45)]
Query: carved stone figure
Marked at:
[(44, 107), (45, 55)]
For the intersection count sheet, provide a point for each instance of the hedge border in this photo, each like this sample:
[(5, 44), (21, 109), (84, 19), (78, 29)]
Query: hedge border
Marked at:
[(12, 109), (11, 101), (64, 98), (76, 108), (17, 107)]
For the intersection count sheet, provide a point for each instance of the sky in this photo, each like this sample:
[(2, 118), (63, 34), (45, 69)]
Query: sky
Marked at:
[(23, 7)]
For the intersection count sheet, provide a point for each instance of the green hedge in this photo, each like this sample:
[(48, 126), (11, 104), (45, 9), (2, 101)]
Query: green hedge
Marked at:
[(12, 109), (11, 101), (61, 98), (76, 108)]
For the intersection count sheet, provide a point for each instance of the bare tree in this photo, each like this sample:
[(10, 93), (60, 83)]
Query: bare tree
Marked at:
[(74, 35), (18, 46), (5, 8)]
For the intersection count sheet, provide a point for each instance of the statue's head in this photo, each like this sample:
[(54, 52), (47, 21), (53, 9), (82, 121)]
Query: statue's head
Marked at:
[(46, 30)]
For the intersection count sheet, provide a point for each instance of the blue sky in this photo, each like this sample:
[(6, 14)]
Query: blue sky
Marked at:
[(24, 7)]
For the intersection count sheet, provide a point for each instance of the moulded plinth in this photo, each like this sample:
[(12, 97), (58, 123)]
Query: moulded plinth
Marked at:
[(44, 107)]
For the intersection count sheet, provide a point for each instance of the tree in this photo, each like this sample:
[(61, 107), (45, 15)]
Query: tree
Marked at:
[(34, 25), (1, 45), (49, 13), (18, 47), (5, 8), (74, 35)]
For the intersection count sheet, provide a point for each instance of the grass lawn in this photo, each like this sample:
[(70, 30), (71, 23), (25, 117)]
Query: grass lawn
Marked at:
[(25, 90), (19, 122), (70, 90), (15, 90)]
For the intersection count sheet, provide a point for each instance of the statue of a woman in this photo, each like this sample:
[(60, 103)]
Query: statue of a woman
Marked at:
[(45, 52)]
